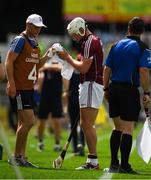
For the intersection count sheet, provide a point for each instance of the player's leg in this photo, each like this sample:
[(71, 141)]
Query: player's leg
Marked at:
[(91, 96)]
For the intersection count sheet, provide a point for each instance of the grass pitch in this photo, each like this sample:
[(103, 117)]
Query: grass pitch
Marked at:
[(44, 159)]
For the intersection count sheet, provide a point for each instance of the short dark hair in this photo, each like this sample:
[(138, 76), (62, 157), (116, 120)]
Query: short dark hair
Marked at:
[(136, 25)]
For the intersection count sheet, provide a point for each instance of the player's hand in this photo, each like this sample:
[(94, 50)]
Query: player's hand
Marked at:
[(50, 53), (11, 89), (63, 55)]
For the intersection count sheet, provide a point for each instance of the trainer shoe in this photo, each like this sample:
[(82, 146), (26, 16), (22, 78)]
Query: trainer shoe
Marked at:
[(88, 166), (40, 146), (127, 170), (112, 169), (57, 148), (29, 164), (20, 161)]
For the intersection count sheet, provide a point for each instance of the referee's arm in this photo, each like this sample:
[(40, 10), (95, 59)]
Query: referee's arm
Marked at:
[(106, 76), (144, 80)]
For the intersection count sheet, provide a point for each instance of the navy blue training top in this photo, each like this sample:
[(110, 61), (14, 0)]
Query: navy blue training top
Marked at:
[(18, 43), (125, 58)]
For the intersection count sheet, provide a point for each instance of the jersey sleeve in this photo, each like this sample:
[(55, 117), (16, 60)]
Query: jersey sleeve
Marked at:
[(17, 44), (145, 60)]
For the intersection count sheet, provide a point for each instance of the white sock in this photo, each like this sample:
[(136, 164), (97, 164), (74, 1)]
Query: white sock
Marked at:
[(92, 161)]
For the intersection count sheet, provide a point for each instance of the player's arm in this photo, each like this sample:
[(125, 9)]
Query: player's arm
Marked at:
[(10, 58), (44, 58), (82, 66), (12, 54)]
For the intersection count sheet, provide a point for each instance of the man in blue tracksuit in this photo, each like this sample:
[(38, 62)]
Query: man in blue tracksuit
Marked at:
[(126, 67)]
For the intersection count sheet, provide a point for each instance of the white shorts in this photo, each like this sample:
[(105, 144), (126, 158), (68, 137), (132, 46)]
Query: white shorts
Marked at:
[(90, 94)]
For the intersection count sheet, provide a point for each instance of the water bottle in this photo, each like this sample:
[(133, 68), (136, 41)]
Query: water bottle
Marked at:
[(1, 152)]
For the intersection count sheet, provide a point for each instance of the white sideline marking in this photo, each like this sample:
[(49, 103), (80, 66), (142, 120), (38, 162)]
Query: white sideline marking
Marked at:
[(9, 153), (109, 175)]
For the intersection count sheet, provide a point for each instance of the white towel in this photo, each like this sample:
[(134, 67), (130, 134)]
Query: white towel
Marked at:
[(143, 142), (67, 69)]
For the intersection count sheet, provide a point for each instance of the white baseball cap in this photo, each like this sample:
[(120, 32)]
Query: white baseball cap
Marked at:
[(75, 25), (36, 20)]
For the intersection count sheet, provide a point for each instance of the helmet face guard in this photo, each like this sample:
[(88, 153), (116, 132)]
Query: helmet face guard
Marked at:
[(75, 25)]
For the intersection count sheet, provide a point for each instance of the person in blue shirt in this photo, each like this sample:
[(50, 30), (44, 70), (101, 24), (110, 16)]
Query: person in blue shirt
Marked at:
[(149, 62), (126, 68)]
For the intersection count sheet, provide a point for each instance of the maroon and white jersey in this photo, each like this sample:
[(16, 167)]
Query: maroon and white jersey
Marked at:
[(92, 49)]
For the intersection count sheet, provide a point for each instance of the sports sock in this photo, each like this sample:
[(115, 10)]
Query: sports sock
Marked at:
[(115, 140), (92, 159), (125, 148)]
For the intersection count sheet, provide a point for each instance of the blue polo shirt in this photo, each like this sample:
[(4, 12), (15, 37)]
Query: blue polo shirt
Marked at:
[(18, 43), (125, 58), (149, 62)]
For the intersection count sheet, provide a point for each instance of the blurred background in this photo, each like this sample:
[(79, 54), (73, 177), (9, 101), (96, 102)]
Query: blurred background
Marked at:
[(106, 18)]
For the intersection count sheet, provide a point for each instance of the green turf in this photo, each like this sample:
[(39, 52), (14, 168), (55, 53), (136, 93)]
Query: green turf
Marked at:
[(44, 160)]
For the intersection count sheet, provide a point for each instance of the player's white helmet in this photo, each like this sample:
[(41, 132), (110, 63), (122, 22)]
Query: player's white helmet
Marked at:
[(75, 25)]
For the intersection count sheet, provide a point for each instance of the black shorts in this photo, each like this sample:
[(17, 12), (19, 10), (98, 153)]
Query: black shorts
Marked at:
[(51, 96), (124, 101), (22, 100)]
